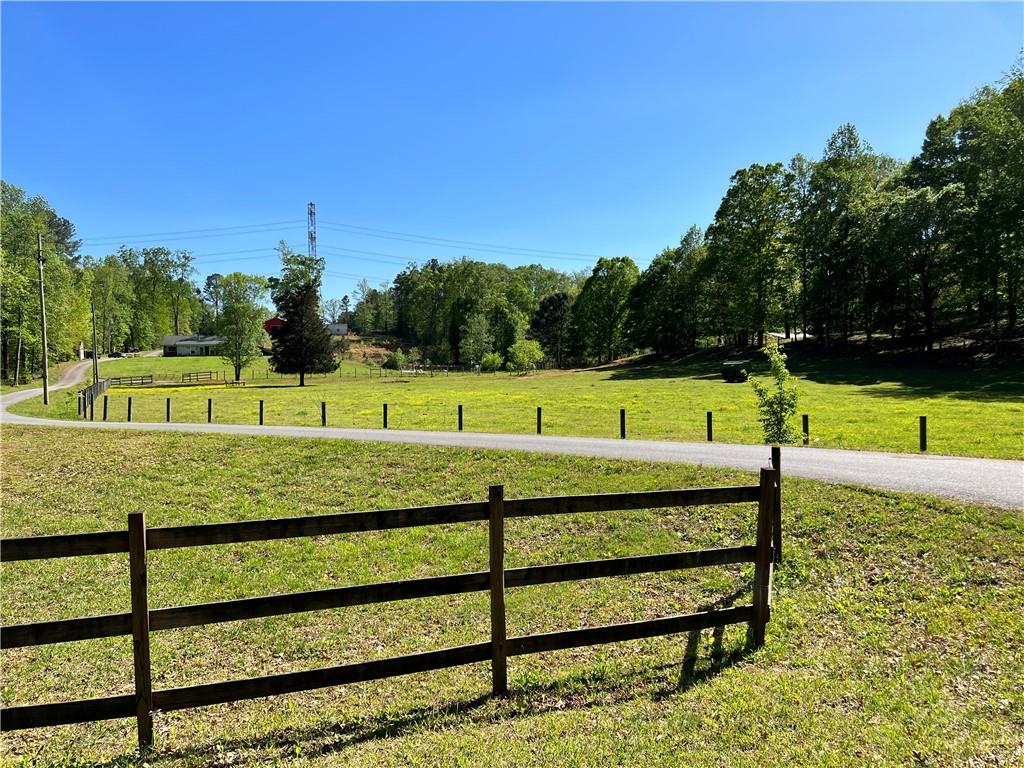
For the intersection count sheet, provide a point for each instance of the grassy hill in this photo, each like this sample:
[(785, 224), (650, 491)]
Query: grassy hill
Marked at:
[(860, 402), (894, 640)]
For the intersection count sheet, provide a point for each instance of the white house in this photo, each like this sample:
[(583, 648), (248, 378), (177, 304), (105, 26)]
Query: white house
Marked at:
[(338, 329), (191, 346)]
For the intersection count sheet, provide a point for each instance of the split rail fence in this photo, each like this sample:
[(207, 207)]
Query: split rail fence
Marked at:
[(138, 540)]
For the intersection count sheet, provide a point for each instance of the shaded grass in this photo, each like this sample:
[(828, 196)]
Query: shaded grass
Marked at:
[(894, 640), (852, 403)]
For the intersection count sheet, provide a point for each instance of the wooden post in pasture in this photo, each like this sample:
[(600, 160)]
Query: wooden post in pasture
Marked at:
[(622, 423), (261, 413), (105, 407), (129, 408), (92, 406), (777, 507), (140, 628), (168, 410), (711, 426), (496, 562), (460, 417), (763, 558), (209, 410), (79, 403), (323, 413), (539, 417), (385, 415), (807, 429), (923, 428)]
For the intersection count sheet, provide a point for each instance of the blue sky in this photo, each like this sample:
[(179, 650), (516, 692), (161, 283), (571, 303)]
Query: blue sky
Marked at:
[(596, 129)]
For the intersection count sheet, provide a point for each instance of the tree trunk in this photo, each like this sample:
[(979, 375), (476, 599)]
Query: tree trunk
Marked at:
[(302, 378), (238, 372)]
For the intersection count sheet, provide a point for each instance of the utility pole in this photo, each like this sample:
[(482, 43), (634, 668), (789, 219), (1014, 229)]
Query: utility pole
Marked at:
[(42, 314), (311, 213), (95, 351)]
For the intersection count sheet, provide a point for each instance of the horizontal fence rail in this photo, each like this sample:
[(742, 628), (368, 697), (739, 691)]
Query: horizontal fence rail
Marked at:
[(142, 620)]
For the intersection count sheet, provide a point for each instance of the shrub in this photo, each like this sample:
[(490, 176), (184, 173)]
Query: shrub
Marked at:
[(779, 407), (524, 355), (395, 361), (492, 361)]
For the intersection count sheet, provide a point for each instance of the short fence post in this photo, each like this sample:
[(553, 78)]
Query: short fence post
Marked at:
[(807, 429), (79, 403), (711, 427), (261, 413), (777, 506), (92, 406), (460, 417), (129, 408), (168, 409), (924, 433), (323, 413), (385, 414), (622, 423), (105, 407), (538, 420), (763, 558), (209, 410), (496, 549), (140, 628)]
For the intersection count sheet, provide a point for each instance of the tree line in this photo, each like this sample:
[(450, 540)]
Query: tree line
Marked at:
[(854, 246)]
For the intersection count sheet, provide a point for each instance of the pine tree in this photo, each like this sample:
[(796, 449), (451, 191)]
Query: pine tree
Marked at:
[(303, 344)]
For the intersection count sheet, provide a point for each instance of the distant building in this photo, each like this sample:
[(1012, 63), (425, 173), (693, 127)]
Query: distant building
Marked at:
[(338, 329), (273, 322), (191, 346)]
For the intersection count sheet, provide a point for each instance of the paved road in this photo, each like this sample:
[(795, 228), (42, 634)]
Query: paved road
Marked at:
[(990, 481)]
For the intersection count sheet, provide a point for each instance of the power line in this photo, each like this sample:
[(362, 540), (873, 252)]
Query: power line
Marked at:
[(457, 244), (190, 231)]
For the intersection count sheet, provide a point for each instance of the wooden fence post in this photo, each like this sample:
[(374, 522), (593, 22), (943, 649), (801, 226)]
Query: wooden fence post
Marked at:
[(763, 558), (711, 427), (105, 407), (129, 407), (807, 428), (79, 403), (538, 420), (261, 413), (323, 413), (140, 628), (777, 506), (622, 423), (460, 417), (385, 415), (209, 410), (92, 406), (496, 548), (923, 426), (168, 409)]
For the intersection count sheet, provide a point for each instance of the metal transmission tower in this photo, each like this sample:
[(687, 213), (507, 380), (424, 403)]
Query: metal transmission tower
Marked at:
[(311, 211)]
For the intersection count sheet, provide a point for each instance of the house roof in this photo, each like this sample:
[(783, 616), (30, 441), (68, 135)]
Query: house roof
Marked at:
[(193, 341)]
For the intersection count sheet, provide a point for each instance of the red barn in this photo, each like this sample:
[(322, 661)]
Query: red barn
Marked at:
[(274, 322)]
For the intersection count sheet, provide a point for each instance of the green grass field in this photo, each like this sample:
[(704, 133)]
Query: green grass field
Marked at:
[(895, 637), (859, 403)]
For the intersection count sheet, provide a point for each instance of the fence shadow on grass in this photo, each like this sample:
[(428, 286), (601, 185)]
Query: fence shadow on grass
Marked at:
[(582, 690)]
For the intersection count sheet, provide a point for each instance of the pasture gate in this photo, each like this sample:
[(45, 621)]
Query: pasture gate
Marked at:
[(138, 540)]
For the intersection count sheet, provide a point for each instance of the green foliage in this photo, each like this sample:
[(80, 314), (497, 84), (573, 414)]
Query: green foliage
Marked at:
[(600, 310), (492, 361), (242, 313), (477, 339), (552, 325), (303, 344), (395, 361), (524, 355), (777, 408)]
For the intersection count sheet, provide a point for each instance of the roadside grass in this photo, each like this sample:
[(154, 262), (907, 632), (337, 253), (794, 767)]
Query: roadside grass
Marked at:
[(856, 403), (895, 636)]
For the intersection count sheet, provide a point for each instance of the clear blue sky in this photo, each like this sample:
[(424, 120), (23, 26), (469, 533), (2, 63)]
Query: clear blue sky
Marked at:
[(597, 129)]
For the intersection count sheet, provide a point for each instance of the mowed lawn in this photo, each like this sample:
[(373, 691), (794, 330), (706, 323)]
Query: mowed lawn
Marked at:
[(858, 403), (895, 639)]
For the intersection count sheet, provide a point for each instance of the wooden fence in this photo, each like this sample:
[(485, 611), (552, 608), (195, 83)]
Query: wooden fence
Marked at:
[(138, 540), (200, 376), (130, 381), (87, 398)]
